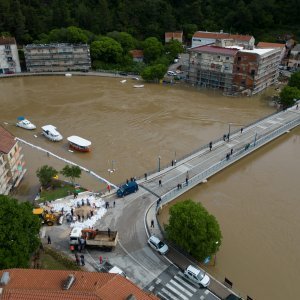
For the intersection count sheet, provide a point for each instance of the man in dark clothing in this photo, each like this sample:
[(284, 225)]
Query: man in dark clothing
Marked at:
[(82, 259), (49, 239)]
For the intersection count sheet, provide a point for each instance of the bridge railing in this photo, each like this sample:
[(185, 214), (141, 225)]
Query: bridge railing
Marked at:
[(239, 153)]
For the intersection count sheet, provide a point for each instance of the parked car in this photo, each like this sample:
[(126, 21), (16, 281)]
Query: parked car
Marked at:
[(171, 73), (123, 73), (158, 245), (197, 276)]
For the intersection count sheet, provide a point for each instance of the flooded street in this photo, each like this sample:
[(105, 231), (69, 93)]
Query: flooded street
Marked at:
[(256, 201)]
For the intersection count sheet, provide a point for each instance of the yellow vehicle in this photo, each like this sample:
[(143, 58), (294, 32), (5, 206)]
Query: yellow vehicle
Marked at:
[(47, 218)]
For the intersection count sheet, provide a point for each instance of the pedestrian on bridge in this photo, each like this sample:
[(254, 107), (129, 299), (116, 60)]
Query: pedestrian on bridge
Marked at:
[(159, 183), (224, 137), (172, 162), (210, 146), (152, 223), (228, 135), (242, 130), (187, 181), (231, 151), (146, 176)]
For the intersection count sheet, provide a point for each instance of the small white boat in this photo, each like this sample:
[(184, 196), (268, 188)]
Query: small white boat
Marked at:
[(24, 123), (50, 132), (135, 78), (123, 81), (68, 75), (79, 144), (138, 86)]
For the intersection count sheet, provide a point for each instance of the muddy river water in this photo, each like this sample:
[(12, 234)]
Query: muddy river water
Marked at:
[(256, 201)]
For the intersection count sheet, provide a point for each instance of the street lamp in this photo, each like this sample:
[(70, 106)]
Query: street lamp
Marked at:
[(216, 254), (159, 163)]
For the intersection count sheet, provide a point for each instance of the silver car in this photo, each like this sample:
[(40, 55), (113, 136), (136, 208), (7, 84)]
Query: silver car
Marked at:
[(158, 245)]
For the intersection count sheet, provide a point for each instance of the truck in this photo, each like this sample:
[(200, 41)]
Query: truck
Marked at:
[(106, 267), (48, 218), (105, 239)]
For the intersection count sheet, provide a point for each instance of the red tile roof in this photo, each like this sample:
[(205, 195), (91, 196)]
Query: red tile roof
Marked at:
[(137, 53), (216, 50), (7, 140), (7, 40), (217, 35), (269, 45), (33, 284), (176, 34)]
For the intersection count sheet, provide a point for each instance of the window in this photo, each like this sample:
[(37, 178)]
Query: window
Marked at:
[(227, 57), (239, 58)]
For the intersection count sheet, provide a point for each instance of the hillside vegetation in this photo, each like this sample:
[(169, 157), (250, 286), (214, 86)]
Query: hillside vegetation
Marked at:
[(28, 20)]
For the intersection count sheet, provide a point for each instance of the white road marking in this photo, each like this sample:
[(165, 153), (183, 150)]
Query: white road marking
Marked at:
[(162, 296), (202, 297), (151, 288), (206, 292), (262, 127), (186, 284), (181, 288), (158, 281), (169, 294), (176, 292)]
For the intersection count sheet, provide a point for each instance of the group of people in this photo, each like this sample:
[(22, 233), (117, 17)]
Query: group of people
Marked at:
[(79, 259)]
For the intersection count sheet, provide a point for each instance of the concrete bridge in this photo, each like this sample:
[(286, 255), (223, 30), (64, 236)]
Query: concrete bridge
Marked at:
[(205, 162)]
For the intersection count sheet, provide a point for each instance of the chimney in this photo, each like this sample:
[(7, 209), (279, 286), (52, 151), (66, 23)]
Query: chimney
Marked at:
[(5, 278), (131, 297), (69, 282)]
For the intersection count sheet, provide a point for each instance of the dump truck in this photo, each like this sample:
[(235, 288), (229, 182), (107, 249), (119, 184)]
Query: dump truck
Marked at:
[(47, 217), (105, 239)]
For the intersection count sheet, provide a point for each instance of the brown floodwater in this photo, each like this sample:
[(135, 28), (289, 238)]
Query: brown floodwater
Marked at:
[(255, 200)]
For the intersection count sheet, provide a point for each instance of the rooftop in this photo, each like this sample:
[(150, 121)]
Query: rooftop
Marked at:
[(270, 45), (216, 50), (7, 40), (258, 51), (221, 35), (7, 140), (137, 53), (33, 284), (175, 34)]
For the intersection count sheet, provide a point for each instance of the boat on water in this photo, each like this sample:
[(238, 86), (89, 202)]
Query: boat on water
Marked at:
[(68, 74), (79, 144), (138, 86), (123, 81), (50, 132), (24, 123)]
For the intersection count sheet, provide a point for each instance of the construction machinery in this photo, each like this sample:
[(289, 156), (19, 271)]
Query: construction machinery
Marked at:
[(48, 218)]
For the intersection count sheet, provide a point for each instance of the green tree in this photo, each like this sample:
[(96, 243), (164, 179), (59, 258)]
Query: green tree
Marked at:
[(153, 48), (193, 229), (295, 80), (45, 175), (71, 172), (19, 230), (125, 39), (106, 49), (288, 95), (173, 48), (154, 73)]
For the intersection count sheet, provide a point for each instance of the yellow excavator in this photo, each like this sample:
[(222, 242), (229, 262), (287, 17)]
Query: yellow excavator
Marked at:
[(47, 217)]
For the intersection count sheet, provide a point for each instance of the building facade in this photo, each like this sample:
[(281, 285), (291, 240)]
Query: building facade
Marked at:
[(212, 67), (256, 69), (265, 45), (57, 57), (177, 35), (233, 70), (9, 57), (201, 38), (294, 58), (12, 164)]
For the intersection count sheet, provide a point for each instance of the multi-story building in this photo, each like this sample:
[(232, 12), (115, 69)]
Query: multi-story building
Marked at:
[(232, 69), (201, 38), (9, 57), (256, 69), (212, 66), (11, 162), (57, 57)]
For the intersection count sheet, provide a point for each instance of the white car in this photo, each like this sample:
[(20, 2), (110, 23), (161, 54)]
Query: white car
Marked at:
[(158, 245), (197, 276), (171, 73)]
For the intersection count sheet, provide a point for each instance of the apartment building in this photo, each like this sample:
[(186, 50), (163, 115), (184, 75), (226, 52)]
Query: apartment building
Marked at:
[(9, 57), (201, 38), (294, 58), (11, 162), (57, 57), (256, 69), (212, 67), (265, 45)]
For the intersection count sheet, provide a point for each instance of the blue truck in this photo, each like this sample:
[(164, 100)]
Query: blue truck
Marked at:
[(128, 188)]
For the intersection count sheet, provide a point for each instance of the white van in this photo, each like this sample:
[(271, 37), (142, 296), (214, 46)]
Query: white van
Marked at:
[(116, 270), (197, 276), (75, 235)]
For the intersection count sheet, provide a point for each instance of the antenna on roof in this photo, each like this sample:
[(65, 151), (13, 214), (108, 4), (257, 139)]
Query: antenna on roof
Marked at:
[(69, 282)]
